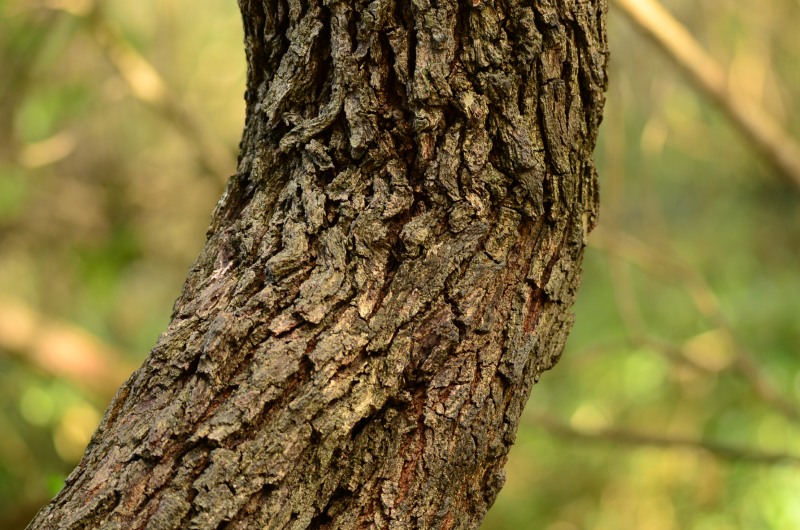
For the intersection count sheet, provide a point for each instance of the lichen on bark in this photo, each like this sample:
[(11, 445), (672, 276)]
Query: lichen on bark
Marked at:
[(388, 272)]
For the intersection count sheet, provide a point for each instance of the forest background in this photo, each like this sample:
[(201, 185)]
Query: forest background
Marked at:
[(676, 404)]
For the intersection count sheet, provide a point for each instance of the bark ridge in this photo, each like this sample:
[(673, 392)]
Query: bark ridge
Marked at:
[(389, 271)]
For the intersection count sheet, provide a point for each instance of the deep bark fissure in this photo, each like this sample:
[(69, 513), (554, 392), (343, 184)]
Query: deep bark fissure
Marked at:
[(388, 272)]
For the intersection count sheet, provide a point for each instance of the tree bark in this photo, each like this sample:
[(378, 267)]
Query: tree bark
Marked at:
[(389, 271)]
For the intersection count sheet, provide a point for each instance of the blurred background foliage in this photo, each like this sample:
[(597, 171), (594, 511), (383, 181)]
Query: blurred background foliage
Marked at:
[(675, 405)]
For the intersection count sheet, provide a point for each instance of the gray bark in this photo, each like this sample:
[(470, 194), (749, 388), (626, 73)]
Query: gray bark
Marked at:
[(389, 271)]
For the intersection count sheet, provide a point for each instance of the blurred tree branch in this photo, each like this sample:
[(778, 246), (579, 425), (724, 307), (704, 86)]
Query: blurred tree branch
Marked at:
[(664, 265), (143, 80), (632, 319), (761, 129), (621, 437), (62, 350), (148, 86)]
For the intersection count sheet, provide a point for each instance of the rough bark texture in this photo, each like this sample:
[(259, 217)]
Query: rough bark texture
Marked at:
[(388, 273)]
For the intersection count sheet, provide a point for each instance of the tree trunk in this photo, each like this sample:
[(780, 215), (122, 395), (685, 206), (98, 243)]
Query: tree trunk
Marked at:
[(387, 274)]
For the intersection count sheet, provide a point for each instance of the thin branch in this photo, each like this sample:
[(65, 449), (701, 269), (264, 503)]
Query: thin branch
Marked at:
[(768, 136), (61, 350), (148, 86), (664, 265), (625, 296), (633, 319), (621, 437), (674, 353)]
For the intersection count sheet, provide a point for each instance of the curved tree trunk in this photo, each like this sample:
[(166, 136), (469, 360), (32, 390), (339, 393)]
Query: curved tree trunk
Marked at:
[(387, 274)]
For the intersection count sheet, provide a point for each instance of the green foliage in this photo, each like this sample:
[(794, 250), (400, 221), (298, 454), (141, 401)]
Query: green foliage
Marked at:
[(55, 481)]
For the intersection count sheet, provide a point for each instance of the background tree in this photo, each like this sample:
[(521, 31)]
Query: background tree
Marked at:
[(390, 269)]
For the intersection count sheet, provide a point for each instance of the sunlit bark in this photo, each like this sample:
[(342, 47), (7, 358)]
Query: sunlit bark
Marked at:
[(388, 273)]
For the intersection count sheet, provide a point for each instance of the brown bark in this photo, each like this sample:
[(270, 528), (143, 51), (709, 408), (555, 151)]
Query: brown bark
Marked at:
[(387, 274)]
